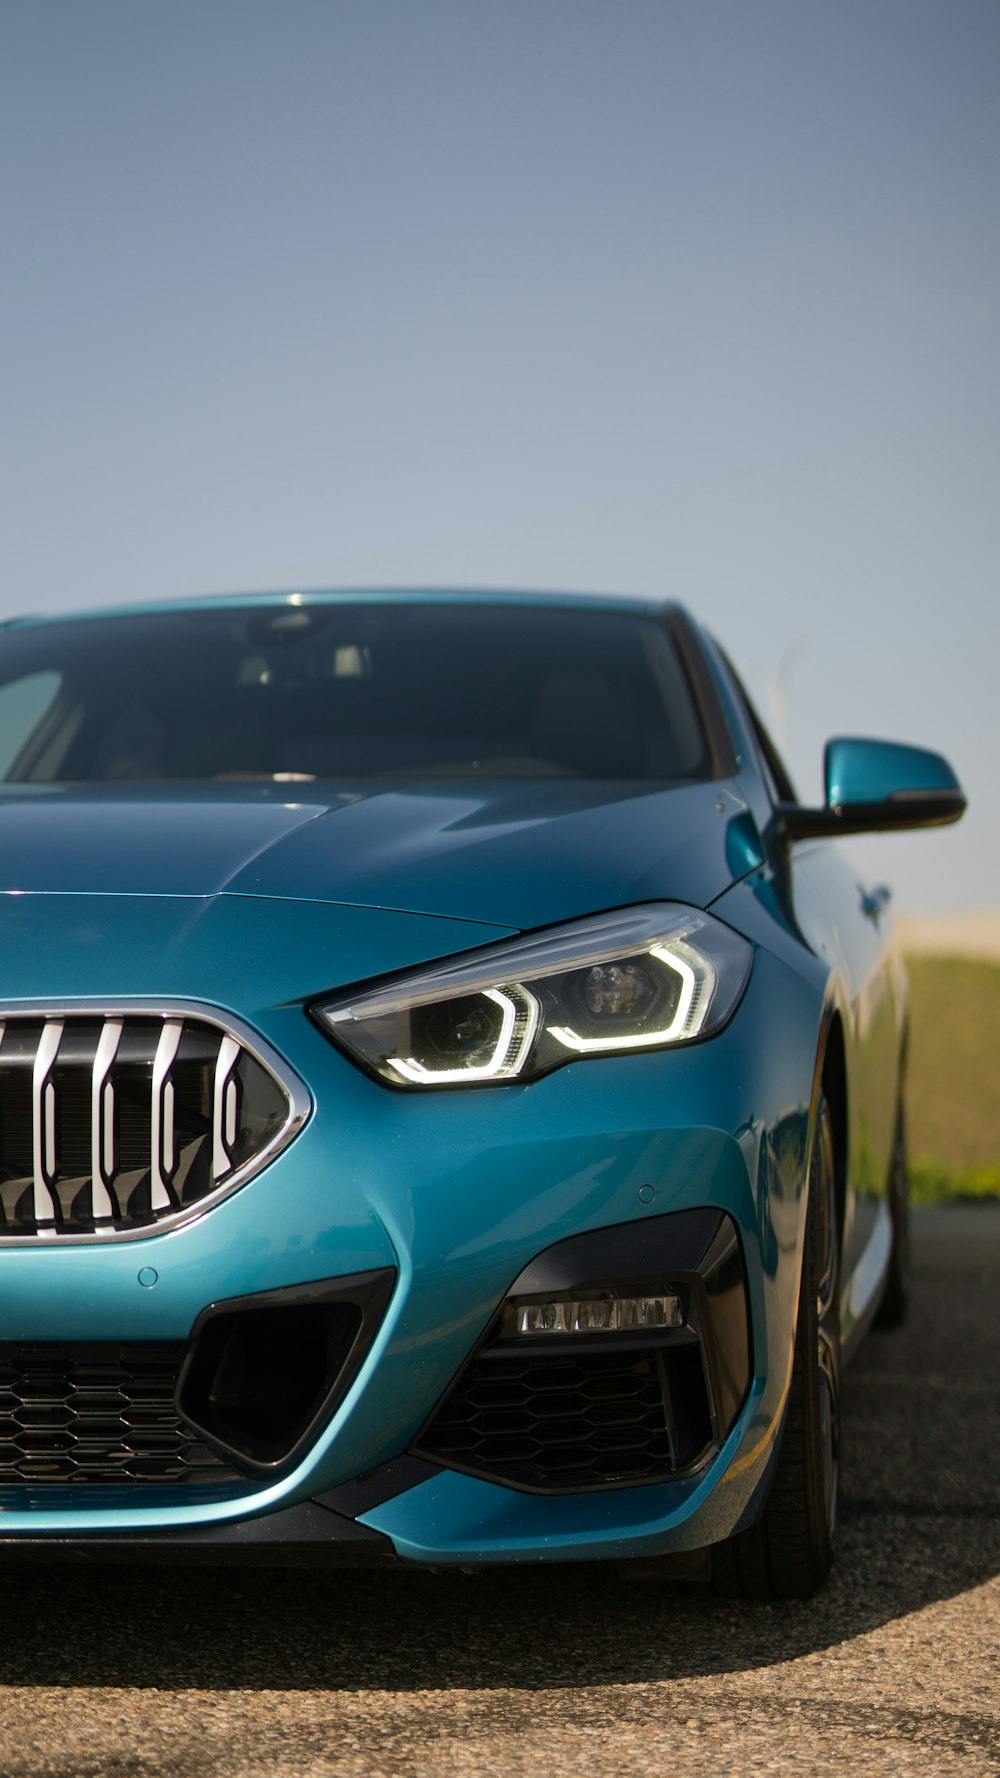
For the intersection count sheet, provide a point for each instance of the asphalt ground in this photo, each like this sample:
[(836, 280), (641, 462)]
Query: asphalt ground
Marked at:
[(574, 1672)]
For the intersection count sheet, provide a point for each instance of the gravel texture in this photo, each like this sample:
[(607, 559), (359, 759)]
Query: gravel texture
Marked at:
[(892, 1669)]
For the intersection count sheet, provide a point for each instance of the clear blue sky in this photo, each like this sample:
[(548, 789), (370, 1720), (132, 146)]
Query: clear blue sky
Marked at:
[(684, 296)]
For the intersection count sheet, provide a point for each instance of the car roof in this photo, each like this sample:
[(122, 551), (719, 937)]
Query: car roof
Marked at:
[(357, 595)]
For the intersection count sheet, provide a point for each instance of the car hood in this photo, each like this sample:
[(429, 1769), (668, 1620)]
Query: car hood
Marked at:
[(503, 854)]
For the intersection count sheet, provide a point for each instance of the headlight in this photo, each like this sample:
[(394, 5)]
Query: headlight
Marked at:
[(649, 978)]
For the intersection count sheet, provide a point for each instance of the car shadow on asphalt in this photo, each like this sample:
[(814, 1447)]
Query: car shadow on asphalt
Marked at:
[(921, 1513)]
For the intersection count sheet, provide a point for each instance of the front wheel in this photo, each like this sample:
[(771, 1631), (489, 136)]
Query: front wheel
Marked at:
[(788, 1553)]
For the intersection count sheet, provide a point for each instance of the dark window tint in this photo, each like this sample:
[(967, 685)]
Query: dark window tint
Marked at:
[(348, 690)]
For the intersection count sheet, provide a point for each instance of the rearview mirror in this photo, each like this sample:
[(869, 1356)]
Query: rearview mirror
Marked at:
[(874, 787)]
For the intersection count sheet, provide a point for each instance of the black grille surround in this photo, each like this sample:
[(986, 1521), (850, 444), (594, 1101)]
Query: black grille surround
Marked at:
[(264, 1373), (576, 1413), (127, 1119), (97, 1414)]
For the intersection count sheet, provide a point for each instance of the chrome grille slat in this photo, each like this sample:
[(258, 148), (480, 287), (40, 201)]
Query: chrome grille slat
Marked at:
[(229, 1051), (43, 1113), (161, 1126), (171, 1108), (102, 1116)]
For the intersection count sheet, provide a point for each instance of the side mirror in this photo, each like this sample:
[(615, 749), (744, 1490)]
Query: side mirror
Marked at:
[(874, 787)]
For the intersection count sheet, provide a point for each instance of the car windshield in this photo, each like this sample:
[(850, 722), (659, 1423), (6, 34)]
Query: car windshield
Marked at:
[(299, 691)]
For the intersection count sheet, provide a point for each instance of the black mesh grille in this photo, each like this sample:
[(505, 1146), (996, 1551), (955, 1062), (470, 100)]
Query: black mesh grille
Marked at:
[(573, 1420), (97, 1413), (124, 1121)]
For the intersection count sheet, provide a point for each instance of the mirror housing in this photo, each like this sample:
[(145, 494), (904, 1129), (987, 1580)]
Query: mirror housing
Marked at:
[(876, 787)]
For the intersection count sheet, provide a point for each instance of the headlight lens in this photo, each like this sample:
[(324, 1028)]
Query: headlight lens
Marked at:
[(649, 978)]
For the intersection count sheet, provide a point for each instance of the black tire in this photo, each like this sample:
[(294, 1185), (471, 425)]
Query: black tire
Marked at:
[(895, 1302), (788, 1553)]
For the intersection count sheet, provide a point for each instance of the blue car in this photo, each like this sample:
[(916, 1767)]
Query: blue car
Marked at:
[(451, 1090)]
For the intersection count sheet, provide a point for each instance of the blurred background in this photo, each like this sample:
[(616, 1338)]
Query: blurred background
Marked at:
[(651, 296)]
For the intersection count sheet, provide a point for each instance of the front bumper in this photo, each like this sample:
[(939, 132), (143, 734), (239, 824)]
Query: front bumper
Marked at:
[(455, 1194)]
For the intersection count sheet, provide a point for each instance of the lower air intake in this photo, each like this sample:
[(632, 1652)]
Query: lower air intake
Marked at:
[(97, 1413), (573, 1422), (558, 1398)]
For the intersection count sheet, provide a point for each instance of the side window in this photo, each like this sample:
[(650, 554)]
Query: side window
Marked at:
[(776, 777), (24, 704)]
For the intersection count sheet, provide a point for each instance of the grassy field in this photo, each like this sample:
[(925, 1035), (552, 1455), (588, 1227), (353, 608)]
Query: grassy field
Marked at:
[(953, 1099)]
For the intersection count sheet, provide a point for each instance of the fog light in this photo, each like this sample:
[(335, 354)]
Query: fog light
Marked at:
[(590, 1315)]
